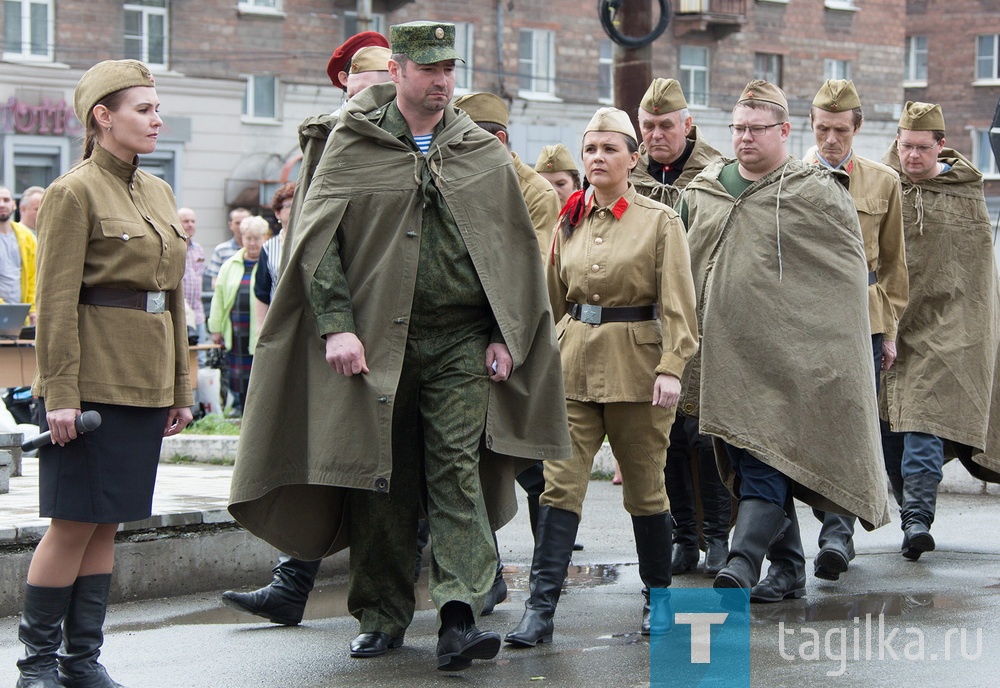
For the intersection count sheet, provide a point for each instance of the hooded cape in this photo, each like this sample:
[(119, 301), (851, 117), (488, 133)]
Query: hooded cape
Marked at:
[(786, 368), (309, 432), (944, 381), (702, 155)]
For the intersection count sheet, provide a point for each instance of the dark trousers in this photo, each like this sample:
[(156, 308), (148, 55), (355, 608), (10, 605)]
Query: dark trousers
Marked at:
[(757, 480)]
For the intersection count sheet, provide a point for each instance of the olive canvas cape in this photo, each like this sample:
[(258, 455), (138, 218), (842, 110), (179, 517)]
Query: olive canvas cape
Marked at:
[(786, 368), (702, 155), (944, 381), (309, 432)]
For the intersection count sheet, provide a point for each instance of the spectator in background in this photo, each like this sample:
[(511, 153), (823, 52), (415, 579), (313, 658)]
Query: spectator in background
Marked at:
[(17, 257), (31, 199), (226, 249), (194, 269), (231, 320), (270, 255)]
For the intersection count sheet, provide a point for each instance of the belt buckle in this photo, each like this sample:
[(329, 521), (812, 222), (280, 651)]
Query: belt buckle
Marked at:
[(590, 314), (156, 301)]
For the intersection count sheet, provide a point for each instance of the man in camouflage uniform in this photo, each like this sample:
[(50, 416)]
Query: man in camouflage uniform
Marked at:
[(672, 154)]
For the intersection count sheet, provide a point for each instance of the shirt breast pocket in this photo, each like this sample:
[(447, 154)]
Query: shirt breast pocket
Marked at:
[(123, 230)]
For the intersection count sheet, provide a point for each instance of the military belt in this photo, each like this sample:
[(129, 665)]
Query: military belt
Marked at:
[(149, 301), (595, 315)]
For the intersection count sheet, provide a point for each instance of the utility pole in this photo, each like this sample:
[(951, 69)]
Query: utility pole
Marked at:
[(364, 15), (633, 69)]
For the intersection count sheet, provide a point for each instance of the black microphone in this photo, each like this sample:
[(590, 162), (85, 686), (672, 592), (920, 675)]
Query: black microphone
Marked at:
[(85, 422)]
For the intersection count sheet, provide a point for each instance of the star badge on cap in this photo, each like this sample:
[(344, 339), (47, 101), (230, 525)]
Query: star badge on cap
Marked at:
[(750, 94)]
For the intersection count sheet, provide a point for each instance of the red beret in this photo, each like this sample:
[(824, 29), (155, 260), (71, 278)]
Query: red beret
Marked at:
[(342, 56)]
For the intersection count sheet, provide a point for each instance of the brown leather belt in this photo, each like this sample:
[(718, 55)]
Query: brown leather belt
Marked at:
[(595, 315), (149, 301)]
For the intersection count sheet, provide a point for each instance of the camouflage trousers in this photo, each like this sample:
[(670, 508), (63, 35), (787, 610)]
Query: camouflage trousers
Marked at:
[(439, 415)]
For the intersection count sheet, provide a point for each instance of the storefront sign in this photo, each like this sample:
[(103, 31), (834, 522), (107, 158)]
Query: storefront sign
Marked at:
[(46, 119)]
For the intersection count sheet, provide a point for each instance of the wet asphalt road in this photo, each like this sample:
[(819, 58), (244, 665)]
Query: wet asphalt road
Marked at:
[(945, 611)]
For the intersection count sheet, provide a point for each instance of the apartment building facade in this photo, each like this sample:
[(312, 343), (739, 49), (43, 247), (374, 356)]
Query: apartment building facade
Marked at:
[(236, 77)]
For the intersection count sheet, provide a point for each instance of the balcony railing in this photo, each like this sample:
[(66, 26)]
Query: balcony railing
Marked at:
[(720, 17)]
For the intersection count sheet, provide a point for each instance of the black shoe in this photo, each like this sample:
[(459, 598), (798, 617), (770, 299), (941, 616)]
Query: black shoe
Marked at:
[(836, 545), (497, 593), (830, 563), (684, 559), (267, 604), (716, 554), (917, 514), (458, 646), (758, 525), (374, 644), (577, 546), (786, 576)]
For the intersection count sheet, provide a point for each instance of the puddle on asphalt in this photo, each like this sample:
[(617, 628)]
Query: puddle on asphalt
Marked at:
[(850, 607), (330, 599)]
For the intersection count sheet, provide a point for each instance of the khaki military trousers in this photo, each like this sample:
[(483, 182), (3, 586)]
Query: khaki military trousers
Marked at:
[(639, 434), (439, 414)]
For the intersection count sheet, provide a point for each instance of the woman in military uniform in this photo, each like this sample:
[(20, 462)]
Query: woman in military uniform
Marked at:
[(111, 338), (619, 278)]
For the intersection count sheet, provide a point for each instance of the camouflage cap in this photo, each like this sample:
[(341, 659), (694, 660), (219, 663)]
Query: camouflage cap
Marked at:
[(424, 42), (374, 58), (556, 158), (105, 78), (765, 92), (342, 55), (612, 119), (922, 117), (837, 95), (484, 107), (663, 96)]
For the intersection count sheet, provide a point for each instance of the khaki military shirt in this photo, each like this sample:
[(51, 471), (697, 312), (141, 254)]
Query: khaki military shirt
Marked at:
[(702, 155), (542, 202), (876, 193), (632, 253)]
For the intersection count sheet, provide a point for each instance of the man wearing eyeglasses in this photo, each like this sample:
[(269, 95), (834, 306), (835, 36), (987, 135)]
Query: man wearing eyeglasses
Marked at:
[(836, 117), (785, 363), (939, 392)]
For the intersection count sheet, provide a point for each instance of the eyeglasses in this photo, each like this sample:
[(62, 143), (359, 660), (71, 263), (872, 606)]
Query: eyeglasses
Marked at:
[(755, 129), (910, 148)]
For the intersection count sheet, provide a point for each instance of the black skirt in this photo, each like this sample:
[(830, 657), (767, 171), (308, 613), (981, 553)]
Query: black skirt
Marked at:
[(103, 476)]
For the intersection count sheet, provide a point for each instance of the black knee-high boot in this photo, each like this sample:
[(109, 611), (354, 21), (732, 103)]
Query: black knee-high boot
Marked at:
[(40, 630), (652, 535), (553, 549), (758, 524), (917, 513), (786, 576), (283, 600), (83, 634)]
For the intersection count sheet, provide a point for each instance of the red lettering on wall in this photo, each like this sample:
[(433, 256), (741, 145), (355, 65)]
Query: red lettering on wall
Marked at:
[(46, 119)]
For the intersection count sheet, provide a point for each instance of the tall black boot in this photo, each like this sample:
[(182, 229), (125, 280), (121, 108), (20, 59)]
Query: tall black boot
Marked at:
[(498, 591), (836, 545), (40, 630), (283, 600), (83, 634), (917, 513), (677, 477), (553, 549), (717, 510), (652, 533), (786, 576), (758, 524)]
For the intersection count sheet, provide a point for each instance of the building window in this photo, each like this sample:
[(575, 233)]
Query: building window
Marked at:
[(983, 154), (262, 6), (261, 97), (537, 62), (464, 46), (27, 29), (605, 72), (146, 31), (987, 62), (840, 5), (376, 23), (915, 68), (34, 160), (767, 66), (694, 74), (836, 69)]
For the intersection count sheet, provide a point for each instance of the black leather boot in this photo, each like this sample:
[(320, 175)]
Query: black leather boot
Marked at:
[(786, 576), (460, 642), (498, 591), (83, 634), (283, 600), (553, 549), (717, 510), (40, 630), (677, 477), (758, 524), (836, 545), (917, 513), (651, 535)]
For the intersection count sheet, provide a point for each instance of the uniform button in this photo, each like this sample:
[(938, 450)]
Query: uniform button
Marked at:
[(411, 234), (601, 214), (383, 400), (596, 297), (489, 441), (598, 241), (688, 408), (124, 237), (595, 267), (381, 484), (400, 321)]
